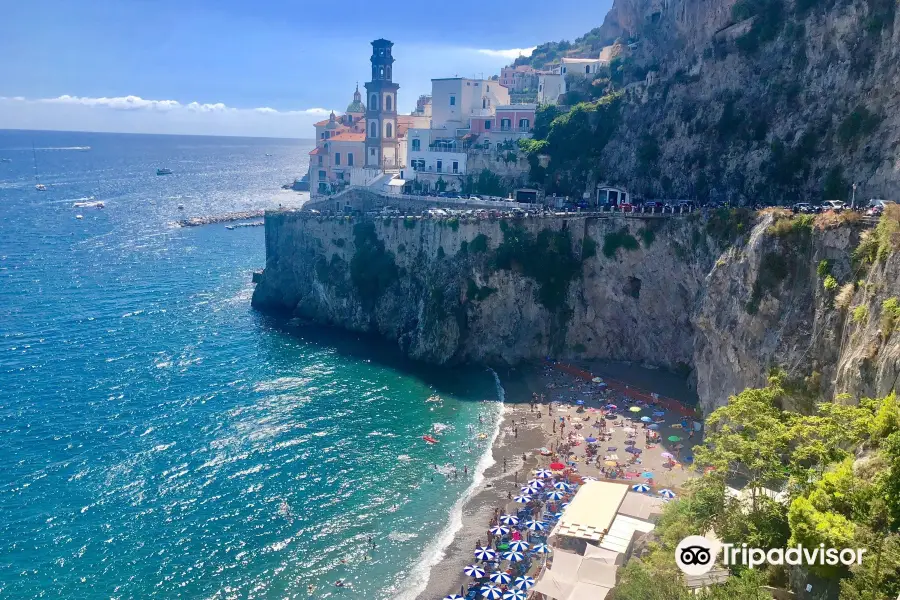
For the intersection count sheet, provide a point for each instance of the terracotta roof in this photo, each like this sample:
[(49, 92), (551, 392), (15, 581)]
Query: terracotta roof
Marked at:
[(314, 151), (348, 137), (401, 129), (322, 123)]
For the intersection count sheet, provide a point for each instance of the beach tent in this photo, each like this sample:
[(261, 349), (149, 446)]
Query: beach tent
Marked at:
[(588, 591), (553, 587), (592, 510)]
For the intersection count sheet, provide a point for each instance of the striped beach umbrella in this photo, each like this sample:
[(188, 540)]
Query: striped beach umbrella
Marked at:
[(522, 499), (518, 545), (562, 485), (509, 519), (474, 571), (536, 482), (553, 516), (484, 553), (491, 592), (515, 595), (641, 487), (513, 556), (555, 495), (543, 473), (667, 493), (589, 478), (524, 583), (530, 490), (500, 577), (535, 525), (454, 597), (542, 549), (499, 530), (564, 505)]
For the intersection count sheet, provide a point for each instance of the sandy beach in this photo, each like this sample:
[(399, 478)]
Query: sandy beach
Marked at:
[(526, 428)]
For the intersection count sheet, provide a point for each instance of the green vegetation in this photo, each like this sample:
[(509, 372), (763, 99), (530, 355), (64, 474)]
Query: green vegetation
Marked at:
[(726, 224), (824, 268), (618, 239), (409, 222), (875, 246), (890, 317), (372, 268), (769, 19), (647, 155), (588, 248), (830, 283), (453, 222), (339, 242), (479, 244), (835, 187), (858, 124), (793, 235), (475, 293), (861, 314), (488, 183)]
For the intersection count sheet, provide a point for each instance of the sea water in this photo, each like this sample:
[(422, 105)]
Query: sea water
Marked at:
[(159, 438)]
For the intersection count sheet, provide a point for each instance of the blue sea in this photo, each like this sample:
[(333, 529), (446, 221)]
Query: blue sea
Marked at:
[(159, 438)]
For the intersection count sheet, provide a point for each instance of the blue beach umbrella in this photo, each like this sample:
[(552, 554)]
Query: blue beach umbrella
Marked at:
[(611, 407), (647, 475), (553, 515), (474, 571), (500, 577), (564, 505), (484, 553), (641, 487), (499, 530), (509, 519), (524, 583), (522, 499), (653, 426), (536, 483), (579, 402), (562, 485), (491, 592), (454, 597), (518, 546), (515, 595), (590, 439), (542, 549), (667, 493), (530, 489), (535, 525), (543, 473), (646, 419), (555, 495), (659, 413), (513, 556), (589, 478)]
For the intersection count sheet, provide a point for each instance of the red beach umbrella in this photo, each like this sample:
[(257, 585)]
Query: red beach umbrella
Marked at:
[(557, 466)]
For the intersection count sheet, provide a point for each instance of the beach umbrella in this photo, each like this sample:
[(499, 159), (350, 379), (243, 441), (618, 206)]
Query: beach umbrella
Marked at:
[(590, 439), (483, 553), (579, 402), (499, 530), (641, 487), (454, 597), (530, 489), (525, 582), (543, 473), (647, 475), (659, 413), (633, 450), (518, 546), (674, 438), (522, 499), (535, 525), (474, 571), (542, 549), (597, 380), (646, 419), (555, 495), (654, 426), (610, 463), (564, 505), (509, 519), (611, 407), (513, 556), (515, 595), (553, 515), (557, 466), (491, 592), (500, 577), (589, 478), (667, 493), (635, 409), (667, 455), (536, 482), (562, 485)]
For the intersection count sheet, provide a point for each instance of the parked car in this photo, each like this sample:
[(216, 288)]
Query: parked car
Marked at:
[(803, 208), (834, 205), (626, 207), (653, 206), (875, 211)]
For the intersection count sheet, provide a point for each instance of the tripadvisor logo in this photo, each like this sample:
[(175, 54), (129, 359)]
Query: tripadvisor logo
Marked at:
[(696, 555)]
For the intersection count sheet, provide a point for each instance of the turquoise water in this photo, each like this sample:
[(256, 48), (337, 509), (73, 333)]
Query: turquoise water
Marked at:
[(161, 439)]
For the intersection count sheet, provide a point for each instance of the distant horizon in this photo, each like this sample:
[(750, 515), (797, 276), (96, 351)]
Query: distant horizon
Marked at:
[(210, 135)]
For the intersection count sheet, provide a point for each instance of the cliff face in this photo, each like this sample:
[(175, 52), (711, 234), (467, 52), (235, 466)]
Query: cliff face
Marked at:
[(657, 292), (755, 100)]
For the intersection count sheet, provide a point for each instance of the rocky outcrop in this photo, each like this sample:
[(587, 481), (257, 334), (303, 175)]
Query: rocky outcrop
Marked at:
[(661, 292)]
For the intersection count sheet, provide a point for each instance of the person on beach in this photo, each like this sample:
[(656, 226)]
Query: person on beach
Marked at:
[(465, 469)]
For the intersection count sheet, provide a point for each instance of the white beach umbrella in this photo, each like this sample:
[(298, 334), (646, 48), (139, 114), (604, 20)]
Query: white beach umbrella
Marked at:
[(500, 577), (525, 582), (541, 549), (530, 489), (491, 592), (474, 571), (641, 487), (499, 530), (562, 485), (667, 493), (543, 473), (518, 545), (513, 556), (536, 483), (454, 597), (555, 495), (515, 595), (509, 519), (522, 499), (535, 525), (484, 553), (589, 478)]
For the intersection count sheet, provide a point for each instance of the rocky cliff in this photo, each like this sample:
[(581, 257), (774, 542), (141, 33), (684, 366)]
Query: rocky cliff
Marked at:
[(713, 297)]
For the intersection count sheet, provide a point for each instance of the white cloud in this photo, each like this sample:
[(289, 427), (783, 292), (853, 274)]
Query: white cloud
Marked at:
[(133, 114), (511, 53)]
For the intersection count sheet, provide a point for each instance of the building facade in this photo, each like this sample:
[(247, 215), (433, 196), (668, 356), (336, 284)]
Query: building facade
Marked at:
[(381, 141), (550, 87), (520, 79)]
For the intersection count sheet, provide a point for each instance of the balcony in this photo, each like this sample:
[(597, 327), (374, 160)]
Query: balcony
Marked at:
[(481, 112)]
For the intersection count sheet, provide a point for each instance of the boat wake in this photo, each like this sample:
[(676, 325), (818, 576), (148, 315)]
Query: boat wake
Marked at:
[(435, 552)]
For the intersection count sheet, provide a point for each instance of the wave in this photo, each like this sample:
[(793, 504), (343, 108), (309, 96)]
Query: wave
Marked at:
[(435, 552), (78, 148)]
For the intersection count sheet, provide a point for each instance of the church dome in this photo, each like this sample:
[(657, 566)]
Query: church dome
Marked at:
[(356, 106)]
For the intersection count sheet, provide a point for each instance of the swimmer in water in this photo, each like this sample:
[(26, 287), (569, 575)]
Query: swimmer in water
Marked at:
[(310, 589)]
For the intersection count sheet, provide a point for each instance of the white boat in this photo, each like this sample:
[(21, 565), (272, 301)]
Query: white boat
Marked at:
[(95, 204), (41, 187), (37, 180), (164, 171)]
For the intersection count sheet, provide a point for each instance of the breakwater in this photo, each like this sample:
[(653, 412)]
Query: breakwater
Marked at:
[(223, 218)]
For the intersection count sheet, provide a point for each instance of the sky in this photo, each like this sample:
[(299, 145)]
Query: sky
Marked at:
[(247, 67)]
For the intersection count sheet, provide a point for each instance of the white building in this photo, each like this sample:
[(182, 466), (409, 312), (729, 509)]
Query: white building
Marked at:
[(454, 101), (582, 66), (550, 87)]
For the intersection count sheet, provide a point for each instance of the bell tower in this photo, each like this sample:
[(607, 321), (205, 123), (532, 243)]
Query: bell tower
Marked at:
[(382, 145)]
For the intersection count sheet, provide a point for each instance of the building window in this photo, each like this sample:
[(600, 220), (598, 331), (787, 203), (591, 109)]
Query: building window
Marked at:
[(487, 88), (388, 131), (440, 166), (320, 160), (564, 70), (416, 145), (388, 103), (341, 176), (524, 124), (349, 159), (587, 69), (322, 174), (484, 103), (505, 124), (373, 130), (487, 125), (337, 159), (452, 100), (455, 167), (373, 102)]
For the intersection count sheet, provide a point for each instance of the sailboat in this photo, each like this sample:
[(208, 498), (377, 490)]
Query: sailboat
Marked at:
[(38, 185)]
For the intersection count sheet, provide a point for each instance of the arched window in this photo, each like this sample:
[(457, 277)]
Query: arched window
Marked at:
[(484, 103), (416, 145), (373, 102), (373, 130), (381, 73), (388, 103), (587, 69), (389, 131), (388, 72)]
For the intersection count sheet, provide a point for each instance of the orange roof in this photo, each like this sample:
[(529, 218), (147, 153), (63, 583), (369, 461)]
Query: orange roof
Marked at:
[(401, 129), (348, 137), (314, 151), (322, 123)]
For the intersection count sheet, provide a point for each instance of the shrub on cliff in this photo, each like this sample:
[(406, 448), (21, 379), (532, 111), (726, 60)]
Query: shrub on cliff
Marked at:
[(724, 225), (372, 268), (618, 239)]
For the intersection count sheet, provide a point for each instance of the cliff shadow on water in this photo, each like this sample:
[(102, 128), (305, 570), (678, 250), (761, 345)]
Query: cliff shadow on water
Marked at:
[(721, 297)]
